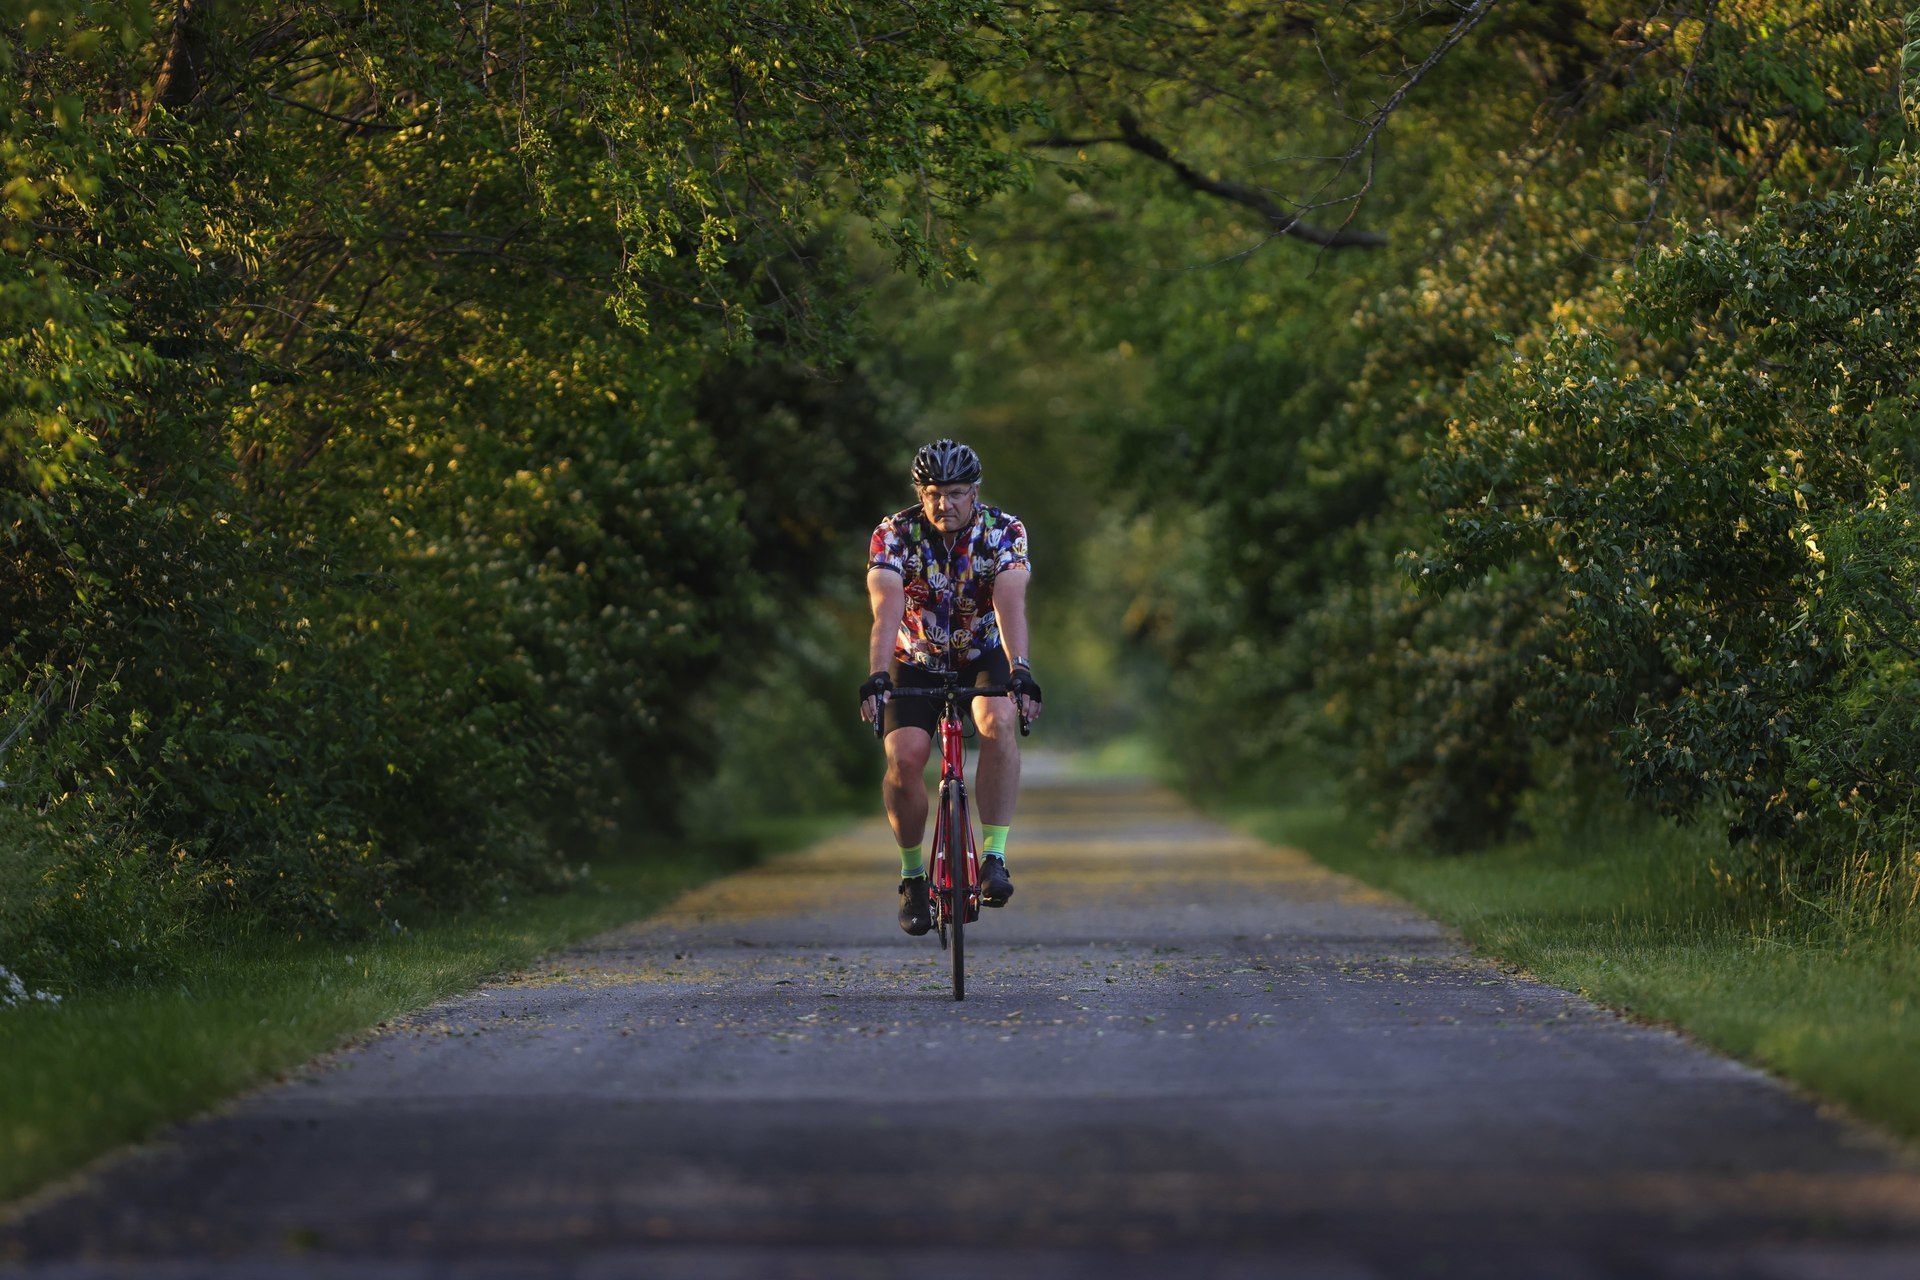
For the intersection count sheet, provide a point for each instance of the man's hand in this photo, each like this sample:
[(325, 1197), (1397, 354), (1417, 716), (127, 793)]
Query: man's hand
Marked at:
[(1025, 691), (874, 694)]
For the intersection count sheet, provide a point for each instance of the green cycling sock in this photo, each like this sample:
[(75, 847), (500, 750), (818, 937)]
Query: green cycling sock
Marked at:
[(994, 841), (913, 861)]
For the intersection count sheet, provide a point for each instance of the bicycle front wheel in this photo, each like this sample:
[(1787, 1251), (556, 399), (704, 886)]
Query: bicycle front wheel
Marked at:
[(955, 803)]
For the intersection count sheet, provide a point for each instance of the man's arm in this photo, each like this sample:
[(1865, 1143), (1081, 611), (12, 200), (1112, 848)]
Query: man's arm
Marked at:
[(1010, 608), (888, 596)]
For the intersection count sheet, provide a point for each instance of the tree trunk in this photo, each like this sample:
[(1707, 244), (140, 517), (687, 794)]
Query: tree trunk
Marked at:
[(185, 70)]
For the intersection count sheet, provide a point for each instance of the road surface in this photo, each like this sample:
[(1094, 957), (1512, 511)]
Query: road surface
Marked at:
[(1185, 1053)]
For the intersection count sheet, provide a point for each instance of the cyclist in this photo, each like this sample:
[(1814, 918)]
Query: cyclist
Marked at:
[(948, 583)]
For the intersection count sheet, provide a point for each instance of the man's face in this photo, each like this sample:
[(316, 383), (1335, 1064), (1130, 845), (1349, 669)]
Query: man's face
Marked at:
[(948, 506)]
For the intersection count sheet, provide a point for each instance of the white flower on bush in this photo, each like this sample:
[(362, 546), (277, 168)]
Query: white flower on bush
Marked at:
[(14, 992)]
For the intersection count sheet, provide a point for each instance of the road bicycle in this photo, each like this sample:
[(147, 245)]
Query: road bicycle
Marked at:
[(956, 898)]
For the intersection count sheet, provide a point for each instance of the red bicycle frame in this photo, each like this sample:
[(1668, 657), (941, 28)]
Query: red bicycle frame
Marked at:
[(953, 827)]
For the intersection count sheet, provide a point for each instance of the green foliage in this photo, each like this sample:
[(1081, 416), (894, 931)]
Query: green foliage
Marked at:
[(1703, 114), (1333, 423), (411, 422), (1721, 507), (424, 433)]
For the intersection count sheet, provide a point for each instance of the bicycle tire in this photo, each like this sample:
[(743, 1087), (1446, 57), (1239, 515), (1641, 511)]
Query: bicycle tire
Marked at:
[(936, 867), (957, 877)]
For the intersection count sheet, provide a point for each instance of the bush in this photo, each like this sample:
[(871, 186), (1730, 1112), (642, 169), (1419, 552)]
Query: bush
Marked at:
[(1724, 510)]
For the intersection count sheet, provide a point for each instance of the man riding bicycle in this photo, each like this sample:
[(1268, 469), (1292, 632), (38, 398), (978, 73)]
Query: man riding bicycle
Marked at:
[(948, 583)]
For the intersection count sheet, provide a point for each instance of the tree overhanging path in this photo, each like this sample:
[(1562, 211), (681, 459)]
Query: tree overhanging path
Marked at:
[(1184, 1053)]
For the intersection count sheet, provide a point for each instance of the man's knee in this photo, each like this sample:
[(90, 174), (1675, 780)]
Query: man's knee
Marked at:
[(997, 723), (907, 752)]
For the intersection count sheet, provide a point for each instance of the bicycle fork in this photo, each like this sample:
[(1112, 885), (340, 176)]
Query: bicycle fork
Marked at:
[(956, 864)]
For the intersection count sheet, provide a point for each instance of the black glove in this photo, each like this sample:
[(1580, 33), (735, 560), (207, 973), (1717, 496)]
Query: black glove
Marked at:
[(1021, 684), (876, 684)]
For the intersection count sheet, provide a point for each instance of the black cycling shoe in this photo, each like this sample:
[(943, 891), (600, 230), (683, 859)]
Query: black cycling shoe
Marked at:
[(916, 908), (996, 886)]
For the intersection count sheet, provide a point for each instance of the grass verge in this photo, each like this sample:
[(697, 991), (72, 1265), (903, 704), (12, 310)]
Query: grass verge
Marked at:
[(1648, 918), (111, 1067)]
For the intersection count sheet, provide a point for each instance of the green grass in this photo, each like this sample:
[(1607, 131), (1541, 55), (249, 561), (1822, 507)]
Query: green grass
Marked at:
[(111, 1067), (1641, 916)]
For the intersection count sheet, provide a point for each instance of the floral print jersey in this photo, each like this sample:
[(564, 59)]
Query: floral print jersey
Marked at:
[(949, 593)]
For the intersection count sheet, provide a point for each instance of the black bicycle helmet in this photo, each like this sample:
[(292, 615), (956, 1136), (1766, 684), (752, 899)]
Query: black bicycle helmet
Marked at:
[(946, 462)]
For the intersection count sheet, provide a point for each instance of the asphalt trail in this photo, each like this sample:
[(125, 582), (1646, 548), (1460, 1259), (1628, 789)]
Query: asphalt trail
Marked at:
[(1184, 1053)]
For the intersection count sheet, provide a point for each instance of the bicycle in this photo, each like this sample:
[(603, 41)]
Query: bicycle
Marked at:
[(955, 904)]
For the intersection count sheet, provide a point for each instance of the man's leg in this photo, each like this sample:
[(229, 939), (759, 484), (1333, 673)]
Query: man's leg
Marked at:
[(905, 788), (999, 789), (999, 759), (905, 791)]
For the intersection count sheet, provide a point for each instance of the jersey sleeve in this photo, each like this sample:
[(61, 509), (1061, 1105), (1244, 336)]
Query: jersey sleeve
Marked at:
[(885, 550), (1009, 546)]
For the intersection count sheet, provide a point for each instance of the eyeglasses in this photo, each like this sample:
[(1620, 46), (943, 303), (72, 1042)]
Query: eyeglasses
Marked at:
[(953, 495)]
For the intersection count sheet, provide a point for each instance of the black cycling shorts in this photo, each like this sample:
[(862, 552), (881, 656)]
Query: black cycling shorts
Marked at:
[(990, 667)]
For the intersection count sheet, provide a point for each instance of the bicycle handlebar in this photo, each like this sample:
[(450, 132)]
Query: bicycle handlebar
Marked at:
[(951, 691), (959, 690)]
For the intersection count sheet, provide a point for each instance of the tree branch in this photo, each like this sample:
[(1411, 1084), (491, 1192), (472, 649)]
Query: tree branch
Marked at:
[(1469, 18), (1065, 140), (1282, 220), (353, 123)]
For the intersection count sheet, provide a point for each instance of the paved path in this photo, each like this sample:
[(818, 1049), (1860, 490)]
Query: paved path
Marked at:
[(1186, 1054)]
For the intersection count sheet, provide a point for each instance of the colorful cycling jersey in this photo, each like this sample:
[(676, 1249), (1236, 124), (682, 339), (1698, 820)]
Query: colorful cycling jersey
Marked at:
[(949, 592)]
